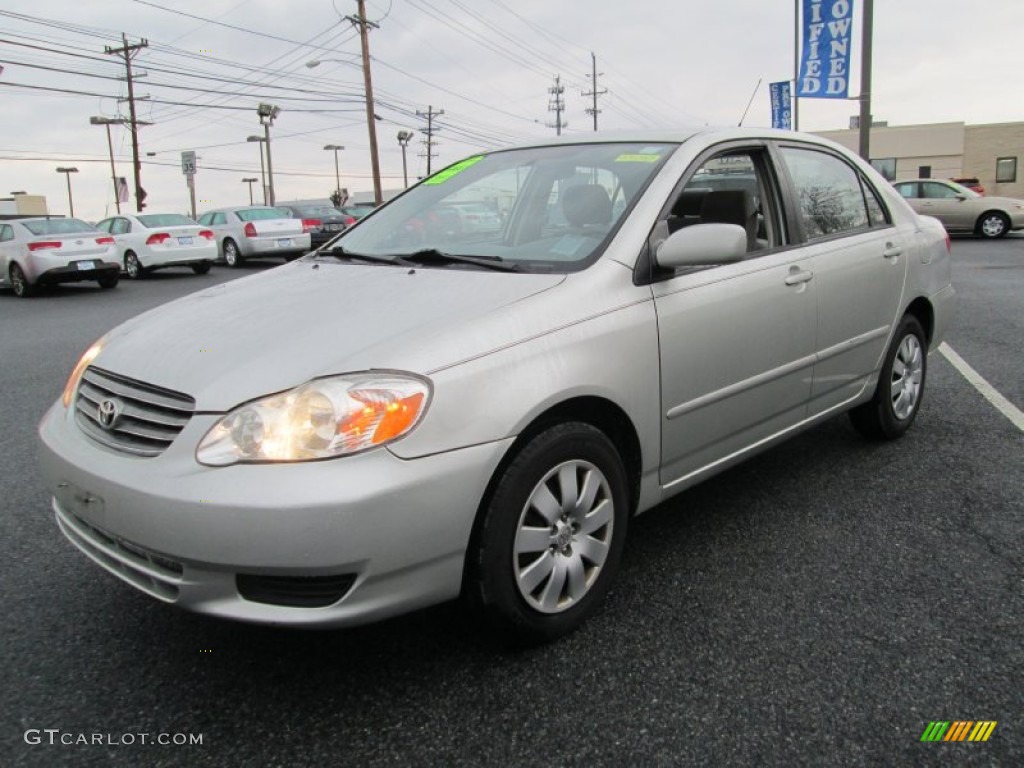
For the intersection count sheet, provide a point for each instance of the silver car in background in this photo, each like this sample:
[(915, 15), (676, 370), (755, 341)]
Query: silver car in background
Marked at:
[(47, 251), (413, 413), (249, 231), (962, 210), (149, 241)]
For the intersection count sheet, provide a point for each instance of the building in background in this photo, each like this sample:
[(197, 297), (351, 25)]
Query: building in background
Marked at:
[(991, 153), (21, 204)]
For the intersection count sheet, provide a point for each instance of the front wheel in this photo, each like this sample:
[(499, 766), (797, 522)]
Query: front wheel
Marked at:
[(552, 534), (231, 255), (900, 387), (19, 283), (993, 224), (133, 267)]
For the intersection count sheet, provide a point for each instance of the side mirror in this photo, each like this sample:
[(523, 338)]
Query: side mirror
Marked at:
[(703, 245)]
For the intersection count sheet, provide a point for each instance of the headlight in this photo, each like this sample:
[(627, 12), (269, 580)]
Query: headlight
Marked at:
[(322, 419), (76, 374)]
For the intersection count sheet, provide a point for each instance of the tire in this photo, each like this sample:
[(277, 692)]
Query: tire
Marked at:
[(19, 283), (201, 267), (900, 389), (231, 255), (540, 564), (992, 224), (111, 281), (133, 267)]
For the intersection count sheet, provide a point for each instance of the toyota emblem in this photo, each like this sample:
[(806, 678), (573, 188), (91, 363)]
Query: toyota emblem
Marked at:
[(107, 413)]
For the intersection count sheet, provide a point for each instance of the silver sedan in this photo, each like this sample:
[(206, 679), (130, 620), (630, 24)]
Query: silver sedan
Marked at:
[(962, 210), (412, 414), (250, 231)]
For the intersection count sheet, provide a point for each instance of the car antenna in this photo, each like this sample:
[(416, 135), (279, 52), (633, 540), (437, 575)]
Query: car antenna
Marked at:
[(750, 102)]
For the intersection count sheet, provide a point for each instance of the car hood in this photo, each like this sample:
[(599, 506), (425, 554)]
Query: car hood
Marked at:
[(273, 331)]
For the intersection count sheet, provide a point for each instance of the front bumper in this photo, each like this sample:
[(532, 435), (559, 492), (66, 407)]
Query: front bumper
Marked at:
[(396, 530)]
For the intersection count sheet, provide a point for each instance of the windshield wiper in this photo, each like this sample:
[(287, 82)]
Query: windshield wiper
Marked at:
[(435, 256), (341, 254)]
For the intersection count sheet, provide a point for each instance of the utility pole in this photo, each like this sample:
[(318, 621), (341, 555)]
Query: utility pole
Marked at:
[(865, 82), (594, 93), (556, 104), (430, 114), (362, 23), (127, 52)]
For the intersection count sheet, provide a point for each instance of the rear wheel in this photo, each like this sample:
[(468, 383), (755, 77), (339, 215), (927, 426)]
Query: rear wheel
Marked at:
[(133, 267), (231, 255), (900, 387), (19, 283), (993, 224), (109, 281), (552, 534), (201, 267)]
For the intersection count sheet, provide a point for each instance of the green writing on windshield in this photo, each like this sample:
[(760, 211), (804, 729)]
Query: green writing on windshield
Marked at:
[(452, 170)]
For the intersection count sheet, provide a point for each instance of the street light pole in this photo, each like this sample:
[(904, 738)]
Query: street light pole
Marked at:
[(250, 181), (263, 173), (267, 113), (107, 122), (67, 174), (403, 142), (337, 173)]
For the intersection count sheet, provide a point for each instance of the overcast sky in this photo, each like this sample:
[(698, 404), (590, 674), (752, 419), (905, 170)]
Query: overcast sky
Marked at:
[(487, 63)]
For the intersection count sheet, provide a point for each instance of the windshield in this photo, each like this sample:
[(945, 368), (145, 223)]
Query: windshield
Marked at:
[(259, 214), (58, 226), (543, 209), (165, 220)]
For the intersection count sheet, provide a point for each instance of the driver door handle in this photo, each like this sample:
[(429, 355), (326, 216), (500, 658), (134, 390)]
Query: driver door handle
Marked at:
[(796, 277)]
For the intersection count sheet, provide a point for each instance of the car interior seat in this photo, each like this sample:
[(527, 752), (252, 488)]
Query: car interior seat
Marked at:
[(732, 206), (587, 206)]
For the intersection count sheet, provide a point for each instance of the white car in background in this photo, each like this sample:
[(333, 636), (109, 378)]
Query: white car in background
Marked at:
[(247, 231), (47, 251), (148, 241)]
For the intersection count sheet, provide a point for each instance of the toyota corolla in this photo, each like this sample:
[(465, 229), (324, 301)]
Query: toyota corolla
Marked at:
[(417, 412)]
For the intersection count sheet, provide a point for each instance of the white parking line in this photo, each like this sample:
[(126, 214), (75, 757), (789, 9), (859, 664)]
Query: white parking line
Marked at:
[(1004, 406)]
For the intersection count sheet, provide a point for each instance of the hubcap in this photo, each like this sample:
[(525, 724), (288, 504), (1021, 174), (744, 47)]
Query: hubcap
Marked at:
[(131, 266), (992, 226), (17, 281), (565, 531), (907, 373)]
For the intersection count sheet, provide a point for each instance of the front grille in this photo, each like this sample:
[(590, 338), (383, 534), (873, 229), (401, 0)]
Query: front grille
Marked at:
[(294, 591), (147, 420), (153, 573)]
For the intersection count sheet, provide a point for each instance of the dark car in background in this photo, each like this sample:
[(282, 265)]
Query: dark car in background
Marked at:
[(354, 213), (322, 222)]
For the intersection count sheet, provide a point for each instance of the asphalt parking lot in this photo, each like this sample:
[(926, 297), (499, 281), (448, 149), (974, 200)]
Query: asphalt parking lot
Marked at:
[(819, 605)]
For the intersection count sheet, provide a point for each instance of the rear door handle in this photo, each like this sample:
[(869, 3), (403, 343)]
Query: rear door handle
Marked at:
[(892, 251), (795, 277)]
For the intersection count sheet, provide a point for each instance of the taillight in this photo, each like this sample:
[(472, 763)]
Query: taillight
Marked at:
[(250, 230), (949, 244), (308, 225), (159, 237), (43, 244), (350, 221), (105, 240), (208, 234)]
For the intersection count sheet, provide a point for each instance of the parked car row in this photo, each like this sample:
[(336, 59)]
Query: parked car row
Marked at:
[(47, 250)]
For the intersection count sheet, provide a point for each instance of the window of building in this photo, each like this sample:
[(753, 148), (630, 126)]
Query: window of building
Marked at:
[(924, 171), (885, 166), (1006, 170)]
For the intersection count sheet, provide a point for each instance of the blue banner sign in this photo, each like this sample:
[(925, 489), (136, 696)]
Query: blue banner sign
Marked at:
[(825, 59), (782, 105)]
